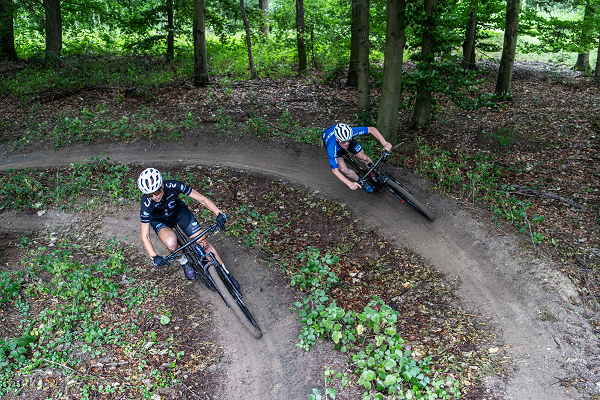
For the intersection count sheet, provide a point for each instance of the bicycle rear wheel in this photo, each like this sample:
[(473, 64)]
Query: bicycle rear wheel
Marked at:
[(405, 196), (233, 298), (194, 258)]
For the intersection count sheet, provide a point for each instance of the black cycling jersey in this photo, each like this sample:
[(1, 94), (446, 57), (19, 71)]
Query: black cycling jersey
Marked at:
[(164, 210)]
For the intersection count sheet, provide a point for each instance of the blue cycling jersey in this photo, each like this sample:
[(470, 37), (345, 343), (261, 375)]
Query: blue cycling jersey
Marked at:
[(334, 150)]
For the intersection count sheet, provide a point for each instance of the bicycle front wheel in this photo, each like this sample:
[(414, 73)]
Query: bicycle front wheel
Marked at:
[(405, 196), (233, 298)]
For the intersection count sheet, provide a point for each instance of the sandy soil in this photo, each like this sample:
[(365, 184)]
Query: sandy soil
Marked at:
[(498, 278)]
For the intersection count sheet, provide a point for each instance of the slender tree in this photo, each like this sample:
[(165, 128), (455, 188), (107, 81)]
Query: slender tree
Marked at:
[(469, 45), (300, 38), (364, 46), (422, 110), (53, 27), (352, 80), (263, 5), (199, 38), (170, 31), (597, 70), (248, 40), (387, 114), (509, 47), (7, 36)]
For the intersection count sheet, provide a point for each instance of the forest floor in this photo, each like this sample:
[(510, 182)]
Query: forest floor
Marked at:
[(525, 323)]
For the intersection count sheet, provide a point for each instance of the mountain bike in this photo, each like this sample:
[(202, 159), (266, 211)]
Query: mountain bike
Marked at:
[(379, 178), (214, 275)]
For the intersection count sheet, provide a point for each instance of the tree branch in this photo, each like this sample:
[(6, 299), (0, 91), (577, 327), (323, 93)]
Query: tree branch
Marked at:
[(550, 195)]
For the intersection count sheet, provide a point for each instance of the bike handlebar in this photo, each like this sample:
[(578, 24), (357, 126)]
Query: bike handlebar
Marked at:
[(382, 157), (206, 233)]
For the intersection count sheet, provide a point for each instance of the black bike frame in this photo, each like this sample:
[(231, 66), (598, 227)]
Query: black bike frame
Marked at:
[(205, 234), (191, 241)]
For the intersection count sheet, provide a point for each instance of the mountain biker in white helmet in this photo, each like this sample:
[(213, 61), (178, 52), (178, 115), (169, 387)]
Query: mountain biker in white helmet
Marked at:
[(338, 139), (161, 209)]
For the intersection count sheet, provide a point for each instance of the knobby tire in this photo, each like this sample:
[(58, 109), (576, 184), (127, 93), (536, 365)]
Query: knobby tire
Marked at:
[(232, 296), (405, 195)]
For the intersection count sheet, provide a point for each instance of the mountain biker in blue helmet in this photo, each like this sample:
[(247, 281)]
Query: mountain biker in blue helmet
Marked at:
[(161, 209), (338, 139)]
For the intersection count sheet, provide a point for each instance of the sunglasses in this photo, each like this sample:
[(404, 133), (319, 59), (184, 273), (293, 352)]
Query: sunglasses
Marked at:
[(346, 142), (155, 193)]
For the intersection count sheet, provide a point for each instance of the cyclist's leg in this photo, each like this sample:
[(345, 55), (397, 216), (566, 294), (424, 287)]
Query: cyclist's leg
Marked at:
[(165, 233), (365, 159), (191, 227), (345, 170)]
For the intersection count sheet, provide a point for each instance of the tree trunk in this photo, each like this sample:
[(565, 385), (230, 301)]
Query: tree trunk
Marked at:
[(583, 62), (509, 47), (263, 5), (583, 59), (199, 38), (300, 38), (353, 66), (422, 110), (53, 26), (248, 40), (364, 45), (597, 71), (7, 35), (469, 44), (170, 31), (387, 114)]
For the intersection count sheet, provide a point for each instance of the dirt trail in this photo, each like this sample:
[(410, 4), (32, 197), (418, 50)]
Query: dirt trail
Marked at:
[(496, 281)]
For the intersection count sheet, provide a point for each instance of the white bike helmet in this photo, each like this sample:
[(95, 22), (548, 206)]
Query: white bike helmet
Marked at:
[(150, 181), (343, 132)]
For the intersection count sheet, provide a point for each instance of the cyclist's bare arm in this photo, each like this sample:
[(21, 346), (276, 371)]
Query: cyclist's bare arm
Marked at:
[(146, 239), (352, 185), (387, 146), (212, 207), (205, 202)]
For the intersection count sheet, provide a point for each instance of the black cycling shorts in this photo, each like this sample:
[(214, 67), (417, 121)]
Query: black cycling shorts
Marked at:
[(182, 217)]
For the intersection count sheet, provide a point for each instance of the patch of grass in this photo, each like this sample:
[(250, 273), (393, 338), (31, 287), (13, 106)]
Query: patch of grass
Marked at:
[(30, 188), (224, 122), (478, 177), (505, 136), (87, 126)]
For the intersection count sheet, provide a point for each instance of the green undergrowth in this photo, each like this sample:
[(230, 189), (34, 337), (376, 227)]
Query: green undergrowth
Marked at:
[(478, 177), (59, 334), (384, 367), (95, 125), (74, 184), (30, 188), (77, 71), (77, 318)]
